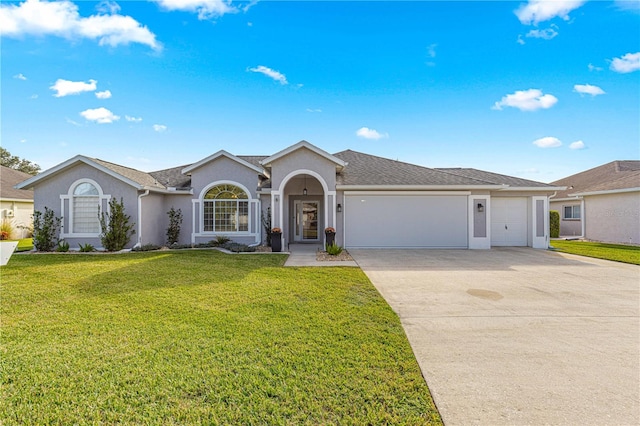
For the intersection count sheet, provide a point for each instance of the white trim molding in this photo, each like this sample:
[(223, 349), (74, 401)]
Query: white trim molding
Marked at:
[(68, 197)]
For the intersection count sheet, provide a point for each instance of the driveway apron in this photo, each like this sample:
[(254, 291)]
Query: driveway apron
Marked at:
[(517, 336)]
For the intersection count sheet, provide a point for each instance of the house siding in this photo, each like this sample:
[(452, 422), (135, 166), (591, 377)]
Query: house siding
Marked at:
[(613, 218), (47, 194)]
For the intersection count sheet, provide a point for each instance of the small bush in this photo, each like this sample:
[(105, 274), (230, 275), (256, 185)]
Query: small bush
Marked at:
[(220, 241), (554, 223), (116, 229), (6, 229), (334, 249), (63, 246), (238, 248), (146, 247), (45, 230), (87, 248), (173, 231)]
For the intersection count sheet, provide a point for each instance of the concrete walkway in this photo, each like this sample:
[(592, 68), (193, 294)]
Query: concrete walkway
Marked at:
[(305, 255), (518, 336)]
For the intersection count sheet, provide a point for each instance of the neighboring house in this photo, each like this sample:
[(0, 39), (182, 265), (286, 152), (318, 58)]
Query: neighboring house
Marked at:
[(16, 205), (601, 204), (370, 201)]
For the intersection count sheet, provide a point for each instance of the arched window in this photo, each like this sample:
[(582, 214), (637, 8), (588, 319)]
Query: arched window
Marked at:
[(85, 208), (225, 209)]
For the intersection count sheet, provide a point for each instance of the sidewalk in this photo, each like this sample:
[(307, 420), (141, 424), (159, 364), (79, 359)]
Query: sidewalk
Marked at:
[(305, 255)]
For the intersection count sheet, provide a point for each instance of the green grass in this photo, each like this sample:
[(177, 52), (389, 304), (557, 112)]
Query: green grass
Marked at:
[(616, 252), (197, 336)]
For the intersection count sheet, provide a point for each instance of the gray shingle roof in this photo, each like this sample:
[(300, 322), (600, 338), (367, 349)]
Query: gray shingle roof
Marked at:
[(607, 177), (173, 177), (366, 169), (9, 178), (495, 178), (142, 178)]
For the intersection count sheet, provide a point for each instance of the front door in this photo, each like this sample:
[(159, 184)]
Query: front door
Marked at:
[(306, 221)]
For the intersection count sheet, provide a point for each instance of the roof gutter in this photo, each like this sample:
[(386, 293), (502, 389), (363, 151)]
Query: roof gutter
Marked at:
[(605, 192), (535, 188), (418, 187)]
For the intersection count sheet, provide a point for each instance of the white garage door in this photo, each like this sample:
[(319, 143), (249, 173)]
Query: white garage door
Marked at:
[(509, 221), (405, 221)]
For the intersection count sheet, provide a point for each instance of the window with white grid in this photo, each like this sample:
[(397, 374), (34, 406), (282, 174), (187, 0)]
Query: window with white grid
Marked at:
[(86, 208), (226, 209)]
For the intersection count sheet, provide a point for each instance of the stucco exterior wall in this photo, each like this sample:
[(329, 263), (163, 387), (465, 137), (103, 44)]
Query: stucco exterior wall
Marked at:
[(47, 194), (177, 201), (153, 230), (613, 218), (568, 227), (22, 216)]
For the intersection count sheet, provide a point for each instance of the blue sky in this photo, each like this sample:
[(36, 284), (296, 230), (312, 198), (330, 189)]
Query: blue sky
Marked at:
[(537, 89)]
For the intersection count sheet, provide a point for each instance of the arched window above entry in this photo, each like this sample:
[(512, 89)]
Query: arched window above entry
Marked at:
[(85, 207), (225, 209)]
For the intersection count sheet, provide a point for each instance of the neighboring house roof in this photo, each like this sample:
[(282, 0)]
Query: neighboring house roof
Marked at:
[(10, 177), (611, 177)]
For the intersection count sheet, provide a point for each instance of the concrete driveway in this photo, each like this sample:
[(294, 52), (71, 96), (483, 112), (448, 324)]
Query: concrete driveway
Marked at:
[(518, 336)]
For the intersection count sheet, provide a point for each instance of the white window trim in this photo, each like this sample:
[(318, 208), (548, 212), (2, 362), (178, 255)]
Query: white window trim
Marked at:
[(573, 206), (69, 198), (201, 200)]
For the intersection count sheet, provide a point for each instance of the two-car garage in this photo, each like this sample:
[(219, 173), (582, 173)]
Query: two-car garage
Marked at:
[(428, 220), (405, 220)]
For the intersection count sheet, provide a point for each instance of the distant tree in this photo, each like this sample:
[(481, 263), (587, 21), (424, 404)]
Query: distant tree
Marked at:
[(17, 163)]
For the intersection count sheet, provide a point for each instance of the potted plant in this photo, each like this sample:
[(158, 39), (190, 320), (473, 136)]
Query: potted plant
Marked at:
[(330, 235), (276, 239)]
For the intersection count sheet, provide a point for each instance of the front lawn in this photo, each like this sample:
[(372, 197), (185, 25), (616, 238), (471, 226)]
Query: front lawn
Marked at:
[(617, 252), (198, 336)]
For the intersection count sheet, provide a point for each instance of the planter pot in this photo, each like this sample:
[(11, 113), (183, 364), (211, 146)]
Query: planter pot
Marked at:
[(6, 250), (330, 238), (276, 242)]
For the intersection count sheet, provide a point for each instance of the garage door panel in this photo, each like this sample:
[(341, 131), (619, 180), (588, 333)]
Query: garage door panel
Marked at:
[(509, 221), (405, 221)]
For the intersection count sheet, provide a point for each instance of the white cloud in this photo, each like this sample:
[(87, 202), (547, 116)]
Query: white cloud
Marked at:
[(587, 89), (547, 33), (577, 145), (536, 11), (526, 100), (75, 123), (100, 115), (107, 6), (367, 133), (159, 128), (23, 141), (547, 142), (276, 75), (629, 5), (594, 68), (314, 110), (103, 95), (431, 50), (34, 96), (66, 87), (627, 63), (206, 9), (20, 77), (520, 40), (133, 119), (61, 19)]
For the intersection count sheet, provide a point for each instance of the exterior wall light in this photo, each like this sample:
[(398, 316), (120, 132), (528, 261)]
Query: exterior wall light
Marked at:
[(339, 208), (480, 207)]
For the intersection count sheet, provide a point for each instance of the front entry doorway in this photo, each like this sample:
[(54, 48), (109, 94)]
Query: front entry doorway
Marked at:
[(306, 220)]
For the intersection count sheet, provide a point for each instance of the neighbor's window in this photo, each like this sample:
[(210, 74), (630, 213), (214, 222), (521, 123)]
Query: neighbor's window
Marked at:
[(226, 209), (86, 208), (571, 212)]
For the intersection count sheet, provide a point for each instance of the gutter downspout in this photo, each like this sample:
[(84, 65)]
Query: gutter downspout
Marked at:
[(139, 243), (582, 217)]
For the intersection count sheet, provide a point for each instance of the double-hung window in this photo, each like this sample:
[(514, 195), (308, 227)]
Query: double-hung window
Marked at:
[(571, 212), (226, 209)]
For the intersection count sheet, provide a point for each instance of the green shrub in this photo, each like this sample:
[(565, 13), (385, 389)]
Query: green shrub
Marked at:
[(146, 247), (116, 229), (238, 248), (554, 223), (6, 229), (173, 231), (87, 248), (220, 241), (63, 246), (334, 249), (45, 228), (266, 224)]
